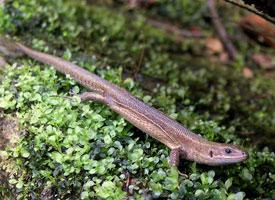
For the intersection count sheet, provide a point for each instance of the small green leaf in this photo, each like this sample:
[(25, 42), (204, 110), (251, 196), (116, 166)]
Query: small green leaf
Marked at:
[(246, 174), (107, 139), (237, 196), (210, 178), (136, 155), (199, 193), (188, 183), (25, 153), (57, 157), (204, 179), (194, 177), (228, 183), (20, 184), (240, 196), (231, 197), (85, 195), (13, 181)]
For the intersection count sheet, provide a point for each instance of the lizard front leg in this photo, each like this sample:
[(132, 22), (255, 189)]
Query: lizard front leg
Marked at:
[(95, 96), (174, 157), (86, 96)]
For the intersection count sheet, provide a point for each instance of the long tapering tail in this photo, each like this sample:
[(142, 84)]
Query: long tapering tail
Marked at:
[(9, 48)]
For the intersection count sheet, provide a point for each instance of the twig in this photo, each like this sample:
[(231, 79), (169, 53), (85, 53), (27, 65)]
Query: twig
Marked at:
[(138, 66), (253, 10), (173, 29), (228, 45)]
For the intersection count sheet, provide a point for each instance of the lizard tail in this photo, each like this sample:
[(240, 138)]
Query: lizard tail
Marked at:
[(9, 48)]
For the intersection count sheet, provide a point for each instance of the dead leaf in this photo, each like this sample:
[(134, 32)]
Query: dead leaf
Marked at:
[(213, 45), (264, 61), (247, 72), (224, 57), (258, 29)]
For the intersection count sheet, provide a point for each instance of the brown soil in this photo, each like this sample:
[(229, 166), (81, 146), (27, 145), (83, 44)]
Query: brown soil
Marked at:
[(9, 134), (9, 131)]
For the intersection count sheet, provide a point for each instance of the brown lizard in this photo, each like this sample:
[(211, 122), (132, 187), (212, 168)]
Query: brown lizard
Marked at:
[(182, 142)]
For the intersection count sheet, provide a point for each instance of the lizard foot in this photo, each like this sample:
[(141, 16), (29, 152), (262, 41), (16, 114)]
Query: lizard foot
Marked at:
[(174, 160)]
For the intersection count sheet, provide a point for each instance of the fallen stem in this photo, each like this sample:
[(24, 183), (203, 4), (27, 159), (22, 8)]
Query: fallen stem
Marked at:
[(219, 28), (253, 10)]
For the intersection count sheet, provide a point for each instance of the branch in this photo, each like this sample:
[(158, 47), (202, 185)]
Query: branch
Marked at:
[(173, 29), (228, 45), (253, 10)]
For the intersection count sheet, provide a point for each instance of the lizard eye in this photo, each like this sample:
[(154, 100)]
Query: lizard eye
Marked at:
[(228, 151)]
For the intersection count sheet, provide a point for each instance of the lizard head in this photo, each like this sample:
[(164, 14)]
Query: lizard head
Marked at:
[(226, 154), (218, 154)]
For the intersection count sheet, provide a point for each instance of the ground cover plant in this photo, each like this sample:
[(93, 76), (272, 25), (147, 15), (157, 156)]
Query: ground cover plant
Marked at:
[(70, 149)]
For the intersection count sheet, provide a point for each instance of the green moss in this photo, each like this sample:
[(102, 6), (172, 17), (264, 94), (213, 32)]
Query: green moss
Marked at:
[(84, 150)]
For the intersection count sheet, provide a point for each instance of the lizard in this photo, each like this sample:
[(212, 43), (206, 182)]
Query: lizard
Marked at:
[(182, 142)]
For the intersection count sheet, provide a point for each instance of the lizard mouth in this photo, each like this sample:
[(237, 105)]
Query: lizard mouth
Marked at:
[(224, 156), (240, 158), (232, 159), (243, 156)]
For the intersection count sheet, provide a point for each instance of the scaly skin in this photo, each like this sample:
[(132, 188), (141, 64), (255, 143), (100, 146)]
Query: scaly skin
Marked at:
[(179, 139)]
